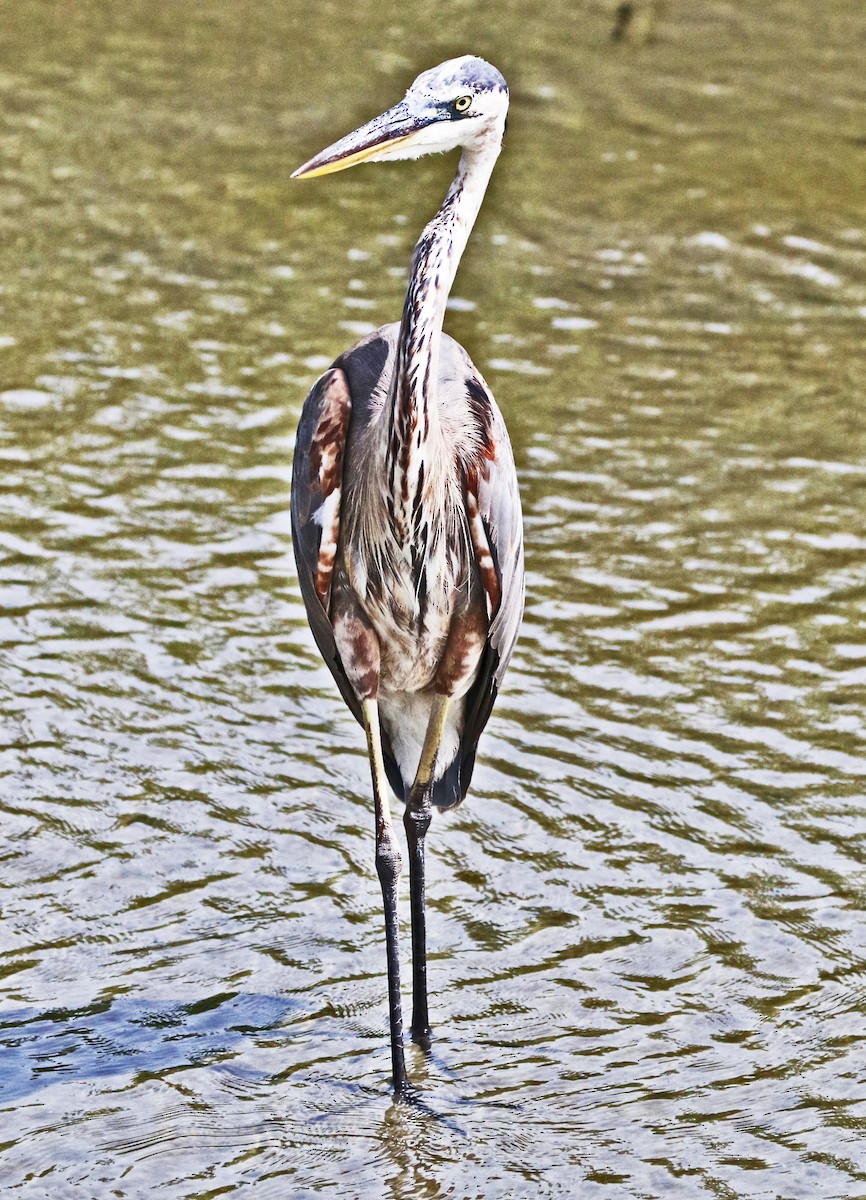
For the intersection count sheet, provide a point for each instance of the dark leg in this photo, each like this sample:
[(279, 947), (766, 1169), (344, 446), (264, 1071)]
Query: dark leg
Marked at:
[(416, 820), (388, 867)]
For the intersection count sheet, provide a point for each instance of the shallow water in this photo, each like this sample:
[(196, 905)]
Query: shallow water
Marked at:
[(648, 946)]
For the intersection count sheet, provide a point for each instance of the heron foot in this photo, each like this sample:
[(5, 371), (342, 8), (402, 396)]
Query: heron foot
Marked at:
[(406, 1094)]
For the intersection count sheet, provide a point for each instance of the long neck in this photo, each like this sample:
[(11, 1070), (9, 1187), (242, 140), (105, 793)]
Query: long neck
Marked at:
[(413, 413)]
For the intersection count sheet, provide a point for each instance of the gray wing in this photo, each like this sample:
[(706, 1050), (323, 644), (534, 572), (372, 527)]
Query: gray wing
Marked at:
[(495, 487), (337, 406), (317, 482)]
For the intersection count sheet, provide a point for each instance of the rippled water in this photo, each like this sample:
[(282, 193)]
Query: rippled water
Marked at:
[(648, 945)]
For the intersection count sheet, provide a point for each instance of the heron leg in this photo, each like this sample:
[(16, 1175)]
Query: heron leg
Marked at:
[(389, 864), (416, 820)]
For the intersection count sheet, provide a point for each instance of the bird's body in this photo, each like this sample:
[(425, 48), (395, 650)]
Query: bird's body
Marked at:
[(405, 510), (429, 609)]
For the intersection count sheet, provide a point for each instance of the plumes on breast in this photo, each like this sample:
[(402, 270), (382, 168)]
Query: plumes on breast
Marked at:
[(410, 603), (413, 574)]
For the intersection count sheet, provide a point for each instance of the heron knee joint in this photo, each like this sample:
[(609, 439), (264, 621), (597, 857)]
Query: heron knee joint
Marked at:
[(417, 820), (389, 861)]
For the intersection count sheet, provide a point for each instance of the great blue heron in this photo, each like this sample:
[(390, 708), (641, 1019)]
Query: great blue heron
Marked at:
[(406, 514)]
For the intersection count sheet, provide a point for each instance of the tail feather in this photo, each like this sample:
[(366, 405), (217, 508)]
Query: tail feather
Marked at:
[(451, 789), (448, 792)]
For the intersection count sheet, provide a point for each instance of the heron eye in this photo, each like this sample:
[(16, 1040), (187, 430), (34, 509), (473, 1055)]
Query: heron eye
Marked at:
[(462, 103)]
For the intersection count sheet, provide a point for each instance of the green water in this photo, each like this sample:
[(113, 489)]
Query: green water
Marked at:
[(648, 944)]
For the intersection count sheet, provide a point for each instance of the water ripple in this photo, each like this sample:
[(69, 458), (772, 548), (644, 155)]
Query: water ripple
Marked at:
[(648, 953)]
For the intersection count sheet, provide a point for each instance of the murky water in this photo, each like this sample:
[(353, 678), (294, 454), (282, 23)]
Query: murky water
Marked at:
[(648, 942)]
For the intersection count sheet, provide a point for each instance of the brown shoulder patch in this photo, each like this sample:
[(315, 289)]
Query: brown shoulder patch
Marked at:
[(329, 440), (483, 555), (327, 447)]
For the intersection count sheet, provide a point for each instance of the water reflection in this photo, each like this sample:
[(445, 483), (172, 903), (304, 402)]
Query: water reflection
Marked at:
[(647, 967), (127, 1036)]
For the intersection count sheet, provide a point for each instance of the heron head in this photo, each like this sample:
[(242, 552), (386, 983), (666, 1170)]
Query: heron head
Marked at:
[(462, 102)]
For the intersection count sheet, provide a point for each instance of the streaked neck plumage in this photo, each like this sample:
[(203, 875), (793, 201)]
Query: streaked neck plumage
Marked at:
[(413, 423)]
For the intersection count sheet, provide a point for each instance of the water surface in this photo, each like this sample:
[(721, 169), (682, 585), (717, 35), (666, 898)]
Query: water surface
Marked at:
[(648, 945)]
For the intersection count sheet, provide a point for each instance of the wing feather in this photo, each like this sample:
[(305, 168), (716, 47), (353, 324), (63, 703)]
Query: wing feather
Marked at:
[(317, 482), (338, 403), (493, 507)]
